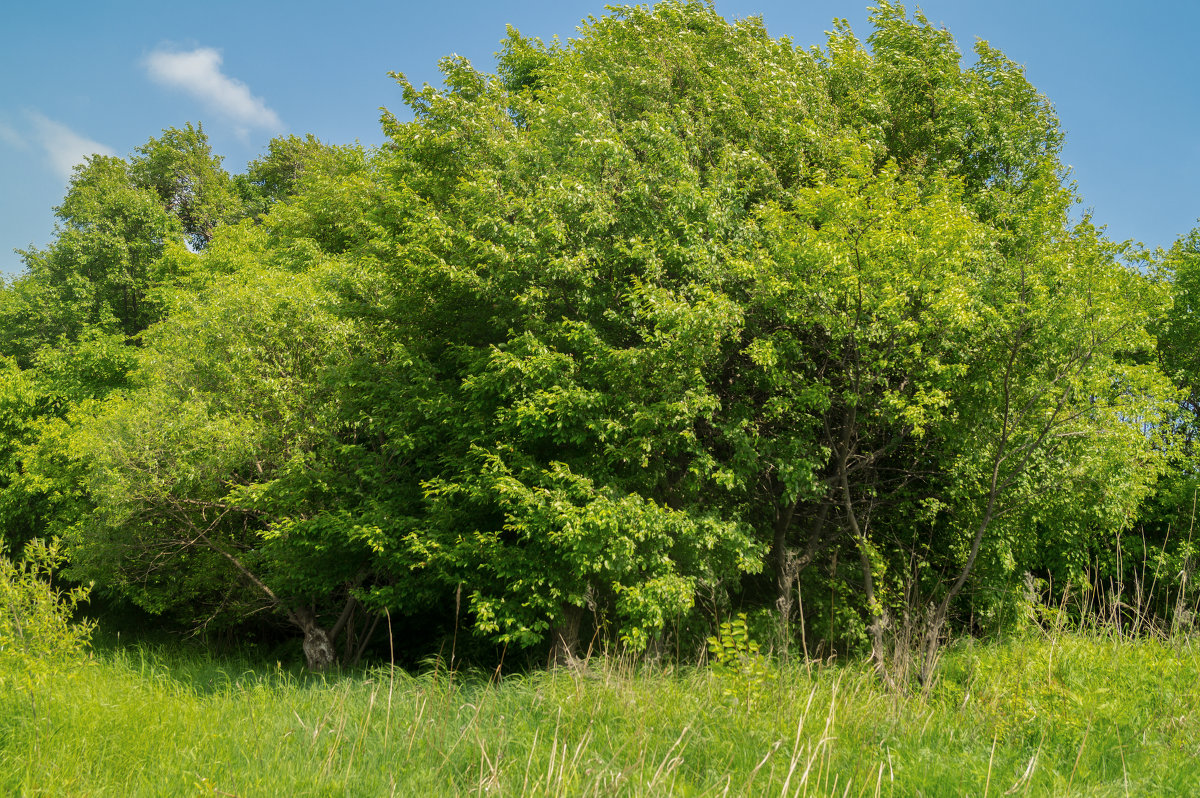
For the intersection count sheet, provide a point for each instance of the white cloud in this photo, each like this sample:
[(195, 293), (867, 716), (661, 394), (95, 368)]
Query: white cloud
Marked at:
[(198, 72), (10, 136), (64, 147)]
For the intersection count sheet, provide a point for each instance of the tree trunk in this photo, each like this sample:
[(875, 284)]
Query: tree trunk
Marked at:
[(318, 648), (566, 635), (318, 643), (879, 616), (785, 574), (789, 563)]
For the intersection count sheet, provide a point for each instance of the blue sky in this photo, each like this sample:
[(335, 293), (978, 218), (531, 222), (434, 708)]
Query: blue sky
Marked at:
[(105, 75)]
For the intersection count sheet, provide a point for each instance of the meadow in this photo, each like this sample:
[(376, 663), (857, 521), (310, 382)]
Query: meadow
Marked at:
[(1068, 713)]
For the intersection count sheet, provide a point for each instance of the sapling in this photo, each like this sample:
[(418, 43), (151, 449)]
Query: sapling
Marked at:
[(39, 636)]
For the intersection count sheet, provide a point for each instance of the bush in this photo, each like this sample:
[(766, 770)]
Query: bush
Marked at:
[(39, 637)]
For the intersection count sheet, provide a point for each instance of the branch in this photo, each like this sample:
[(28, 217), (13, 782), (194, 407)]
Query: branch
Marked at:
[(351, 601)]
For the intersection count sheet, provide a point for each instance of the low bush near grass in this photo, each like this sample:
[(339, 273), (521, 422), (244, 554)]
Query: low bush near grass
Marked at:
[(39, 641)]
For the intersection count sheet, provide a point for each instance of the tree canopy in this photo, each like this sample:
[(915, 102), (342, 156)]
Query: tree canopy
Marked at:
[(668, 318)]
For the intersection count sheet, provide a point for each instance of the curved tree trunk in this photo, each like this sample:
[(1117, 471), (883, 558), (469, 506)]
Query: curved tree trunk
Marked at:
[(318, 643)]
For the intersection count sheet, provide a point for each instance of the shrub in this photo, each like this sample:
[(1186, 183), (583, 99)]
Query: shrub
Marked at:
[(39, 637)]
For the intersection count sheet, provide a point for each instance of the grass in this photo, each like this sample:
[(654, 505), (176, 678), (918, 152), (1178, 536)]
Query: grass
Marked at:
[(1073, 714)]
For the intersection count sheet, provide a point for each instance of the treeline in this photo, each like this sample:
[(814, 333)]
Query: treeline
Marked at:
[(673, 320)]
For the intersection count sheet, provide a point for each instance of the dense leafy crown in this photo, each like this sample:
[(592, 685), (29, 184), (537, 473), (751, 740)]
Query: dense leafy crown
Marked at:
[(591, 342)]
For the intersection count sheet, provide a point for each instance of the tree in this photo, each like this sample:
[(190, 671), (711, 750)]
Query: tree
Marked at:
[(816, 301), (111, 235), (290, 164), (181, 169), (208, 502), (1164, 535), (76, 461), (603, 337), (560, 256), (1044, 367), (118, 239)]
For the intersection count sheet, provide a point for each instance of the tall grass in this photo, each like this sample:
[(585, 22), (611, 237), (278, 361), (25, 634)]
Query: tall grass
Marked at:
[(1077, 714)]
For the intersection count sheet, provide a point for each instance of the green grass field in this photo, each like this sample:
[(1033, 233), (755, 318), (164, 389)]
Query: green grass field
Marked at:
[(1068, 715)]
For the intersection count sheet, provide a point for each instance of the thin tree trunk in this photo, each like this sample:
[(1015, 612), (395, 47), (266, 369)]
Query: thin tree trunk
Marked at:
[(789, 564), (879, 620), (784, 560)]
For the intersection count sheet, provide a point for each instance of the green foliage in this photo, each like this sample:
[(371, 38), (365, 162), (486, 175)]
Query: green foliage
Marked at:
[(40, 640), (181, 169), (732, 650), (669, 313), (41, 488), (738, 662), (291, 165), (209, 455), (21, 404)]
